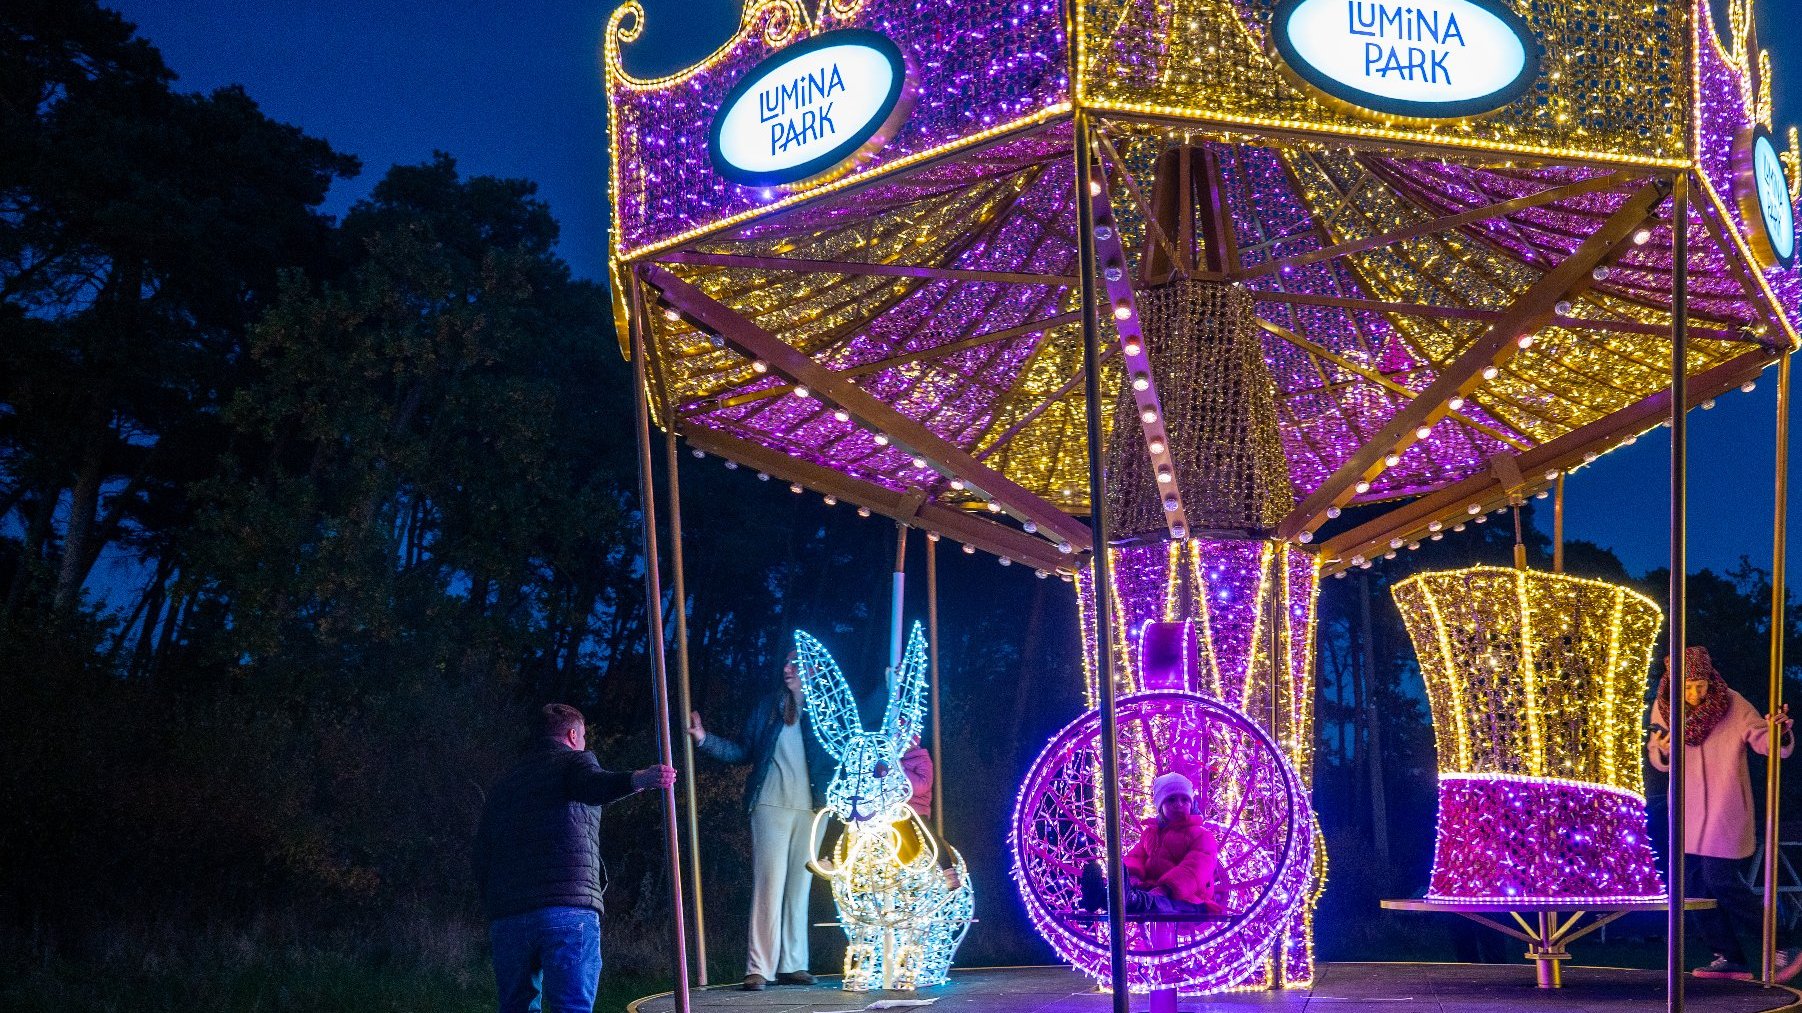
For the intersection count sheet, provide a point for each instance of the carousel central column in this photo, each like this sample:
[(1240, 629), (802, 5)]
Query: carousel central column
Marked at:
[(1199, 596)]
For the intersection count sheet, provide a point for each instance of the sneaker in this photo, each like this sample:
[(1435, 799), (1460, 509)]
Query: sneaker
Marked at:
[(754, 983), (794, 978), (1094, 888), (1721, 967), (1788, 963)]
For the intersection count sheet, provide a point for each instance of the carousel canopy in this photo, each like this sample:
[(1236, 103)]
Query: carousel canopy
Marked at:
[(849, 239)]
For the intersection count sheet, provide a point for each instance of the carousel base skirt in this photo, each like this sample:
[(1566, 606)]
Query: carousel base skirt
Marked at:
[(1398, 988)]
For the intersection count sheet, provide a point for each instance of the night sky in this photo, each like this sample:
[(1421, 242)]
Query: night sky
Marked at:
[(514, 89)]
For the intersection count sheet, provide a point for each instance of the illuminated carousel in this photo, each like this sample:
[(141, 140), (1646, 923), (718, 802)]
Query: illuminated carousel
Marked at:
[(1142, 294)]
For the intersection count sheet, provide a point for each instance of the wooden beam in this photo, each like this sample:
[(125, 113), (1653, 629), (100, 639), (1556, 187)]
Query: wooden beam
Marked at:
[(1451, 504), (907, 507), (852, 267), (924, 354), (799, 368), (1710, 329), (1380, 380), (1530, 311), (1611, 181)]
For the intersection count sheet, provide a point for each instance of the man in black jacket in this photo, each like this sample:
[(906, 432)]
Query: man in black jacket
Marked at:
[(538, 864)]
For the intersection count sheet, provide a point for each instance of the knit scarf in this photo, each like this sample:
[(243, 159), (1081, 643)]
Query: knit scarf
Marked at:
[(1698, 721)]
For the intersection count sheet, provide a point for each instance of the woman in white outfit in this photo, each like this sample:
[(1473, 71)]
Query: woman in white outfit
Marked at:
[(790, 770)]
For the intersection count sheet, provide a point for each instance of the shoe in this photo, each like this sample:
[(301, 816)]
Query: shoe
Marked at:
[(794, 978), (1788, 963), (1094, 888), (1721, 967), (754, 983)]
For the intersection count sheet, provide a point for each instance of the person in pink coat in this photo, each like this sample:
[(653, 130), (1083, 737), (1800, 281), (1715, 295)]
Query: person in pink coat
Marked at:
[(1172, 867), (1718, 832)]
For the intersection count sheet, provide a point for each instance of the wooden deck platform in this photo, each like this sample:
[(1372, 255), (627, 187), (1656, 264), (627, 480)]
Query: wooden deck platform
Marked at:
[(1341, 988)]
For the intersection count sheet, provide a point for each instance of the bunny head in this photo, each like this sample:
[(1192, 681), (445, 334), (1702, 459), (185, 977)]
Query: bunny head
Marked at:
[(870, 782)]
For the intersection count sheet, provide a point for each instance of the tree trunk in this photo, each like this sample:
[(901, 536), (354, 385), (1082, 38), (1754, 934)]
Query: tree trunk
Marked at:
[(1379, 809), (84, 505), (31, 551)]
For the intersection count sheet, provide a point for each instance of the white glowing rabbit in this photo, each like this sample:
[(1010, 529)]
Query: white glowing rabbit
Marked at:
[(903, 914)]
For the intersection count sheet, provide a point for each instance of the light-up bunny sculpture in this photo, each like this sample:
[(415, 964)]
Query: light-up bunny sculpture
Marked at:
[(903, 914)]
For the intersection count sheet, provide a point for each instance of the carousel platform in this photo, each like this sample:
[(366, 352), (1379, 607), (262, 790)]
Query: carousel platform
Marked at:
[(1341, 988)]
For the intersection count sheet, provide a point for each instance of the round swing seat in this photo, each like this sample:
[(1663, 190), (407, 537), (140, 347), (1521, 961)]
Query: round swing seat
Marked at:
[(1246, 791)]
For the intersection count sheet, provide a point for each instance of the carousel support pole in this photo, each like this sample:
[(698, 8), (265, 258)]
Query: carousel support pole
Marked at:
[(1558, 526), (1674, 958), (895, 605), (1101, 568), (685, 702), (1520, 544), (932, 649), (1779, 559), (653, 584)]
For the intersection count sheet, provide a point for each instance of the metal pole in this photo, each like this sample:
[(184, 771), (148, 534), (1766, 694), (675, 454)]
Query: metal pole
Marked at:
[(1779, 627), (1558, 526), (932, 647), (685, 702), (653, 586), (895, 605), (1674, 959), (1100, 568)]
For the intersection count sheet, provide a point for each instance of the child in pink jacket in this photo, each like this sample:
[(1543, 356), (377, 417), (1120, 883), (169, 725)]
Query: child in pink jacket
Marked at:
[(1172, 867), (1719, 726)]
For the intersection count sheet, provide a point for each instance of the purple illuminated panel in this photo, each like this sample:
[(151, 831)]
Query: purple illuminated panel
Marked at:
[(1517, 838), (979, 65)]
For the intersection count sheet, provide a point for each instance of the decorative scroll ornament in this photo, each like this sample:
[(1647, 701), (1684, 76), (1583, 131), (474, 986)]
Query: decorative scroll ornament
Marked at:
[(809, 113), (1407, 59)]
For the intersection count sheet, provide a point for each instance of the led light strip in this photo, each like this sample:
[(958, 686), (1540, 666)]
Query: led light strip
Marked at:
[(1137, 358)]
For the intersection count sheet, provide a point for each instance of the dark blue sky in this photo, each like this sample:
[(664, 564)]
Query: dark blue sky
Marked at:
[(513, 89)]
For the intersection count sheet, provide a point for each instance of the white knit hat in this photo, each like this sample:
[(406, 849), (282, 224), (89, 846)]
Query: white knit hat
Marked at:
[(1170, 784)]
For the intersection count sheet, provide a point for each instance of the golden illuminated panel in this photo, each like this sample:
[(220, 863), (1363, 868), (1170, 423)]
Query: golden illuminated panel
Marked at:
[(1566, 380), (1533, 674), (1039, 434), (1610, 87)]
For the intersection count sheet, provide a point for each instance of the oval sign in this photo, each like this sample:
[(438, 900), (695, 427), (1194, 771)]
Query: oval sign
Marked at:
[(809, 112), (1407, 59), (1762, 187)]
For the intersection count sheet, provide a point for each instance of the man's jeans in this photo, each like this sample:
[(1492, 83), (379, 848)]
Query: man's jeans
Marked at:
[(556, 950)]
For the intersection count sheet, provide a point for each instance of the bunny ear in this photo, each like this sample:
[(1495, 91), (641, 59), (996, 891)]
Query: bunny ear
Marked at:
[(907, 702), (830, 704)]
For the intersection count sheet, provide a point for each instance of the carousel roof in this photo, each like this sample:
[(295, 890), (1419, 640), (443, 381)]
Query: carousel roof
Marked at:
[(1453, 312)]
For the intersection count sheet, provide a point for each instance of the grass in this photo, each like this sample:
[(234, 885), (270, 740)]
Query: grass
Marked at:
[(412, 965)]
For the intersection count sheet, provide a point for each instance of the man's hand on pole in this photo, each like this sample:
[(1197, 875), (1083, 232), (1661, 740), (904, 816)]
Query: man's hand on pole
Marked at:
[(654, 776)]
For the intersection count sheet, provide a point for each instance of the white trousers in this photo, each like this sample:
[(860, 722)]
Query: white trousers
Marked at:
[(780, 847)]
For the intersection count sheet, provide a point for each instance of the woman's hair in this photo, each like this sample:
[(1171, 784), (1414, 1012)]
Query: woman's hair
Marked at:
[(789, 711)]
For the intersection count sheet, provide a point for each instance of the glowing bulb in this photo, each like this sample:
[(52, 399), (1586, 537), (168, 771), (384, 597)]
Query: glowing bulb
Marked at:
[(1362, 486), (1455, 403), (1065, 547), (1473, 509), (842, 415), (863, 511), (831, 500), (795, 487), (1563, 308), (671, 315), (803, 392), (1122, 311), (919, 462), (1642, 236), (1132, 347), (1094, 188), (881, 440), (969, 550), (1164, 477), (958, 484), (1030, 527), (1490, 372), (759, 366), (1392, 459), (1525, 341), (1148, 415), (1156, 446), (994, 507), (1305, 537), (1332, 513), (1748, 387)]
